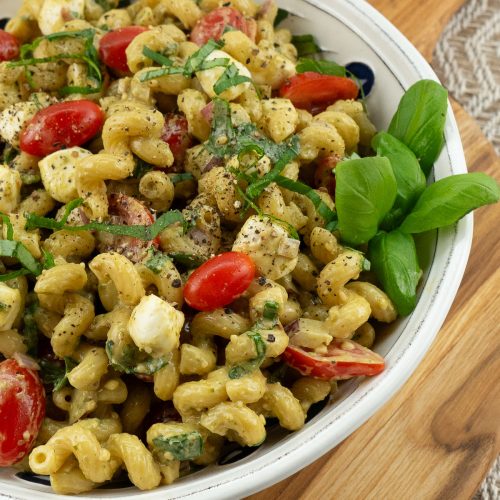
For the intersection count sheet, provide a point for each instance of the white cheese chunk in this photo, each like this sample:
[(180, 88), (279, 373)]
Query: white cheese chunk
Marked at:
[(54, 13), (155, 326)]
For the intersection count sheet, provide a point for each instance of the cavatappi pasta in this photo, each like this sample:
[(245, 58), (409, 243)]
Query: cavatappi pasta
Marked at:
[(199, 153)]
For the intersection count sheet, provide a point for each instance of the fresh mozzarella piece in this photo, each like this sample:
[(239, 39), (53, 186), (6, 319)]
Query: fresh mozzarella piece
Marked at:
[(155, 326), (13, 119), (10, 187), (209, 77), (10, 303), (58, 171), (54, 13), (275, 254)]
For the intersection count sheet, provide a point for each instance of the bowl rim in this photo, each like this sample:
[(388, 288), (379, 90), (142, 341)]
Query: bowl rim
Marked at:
[(293, 455)]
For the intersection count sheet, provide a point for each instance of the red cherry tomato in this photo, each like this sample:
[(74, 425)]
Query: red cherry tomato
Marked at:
[(323, 175), (113, 45), (344, 359), (213, 24), (315, 92), (128, 211), (22, 408), (62, 125), (9, 46), (219, 281), (175, 134)]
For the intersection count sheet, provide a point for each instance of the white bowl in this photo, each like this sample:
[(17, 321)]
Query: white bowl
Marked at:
[(353, 31)]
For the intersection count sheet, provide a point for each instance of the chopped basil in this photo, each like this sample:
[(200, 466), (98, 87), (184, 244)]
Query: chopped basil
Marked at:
[(229, 78), (187, 260), (182, 177), (17, 250), (89, 56), (322, 208), (157, 261), (249, 366), (132, 360), (271, 311), (322, 67), (48, 259), (185, 446), (306, 45), (280, 16), (55, 375), (145, 233), (141, 168)]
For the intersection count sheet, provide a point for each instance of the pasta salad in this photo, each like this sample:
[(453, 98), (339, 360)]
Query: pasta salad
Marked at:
[(202, 232)]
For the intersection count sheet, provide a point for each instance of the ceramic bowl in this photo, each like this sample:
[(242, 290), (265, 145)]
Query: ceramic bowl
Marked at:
[(351, 31)]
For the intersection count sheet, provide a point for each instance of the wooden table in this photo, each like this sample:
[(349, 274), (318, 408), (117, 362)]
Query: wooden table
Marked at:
[(438, 437)]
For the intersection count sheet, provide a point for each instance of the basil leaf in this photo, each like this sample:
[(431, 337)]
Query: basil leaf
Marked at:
[(365, 192), (131, 360), (146, 233), (13, 274), (280, 16), (185, 446), (243, 369), (409, 176), (54, 374), (18, 251), (322, 67), (322, 208), (182, 177), (156, 262), (393, 257), (187, 260), (229, 78), (449, 199), (48, 259), (419, 121), (306, 45)]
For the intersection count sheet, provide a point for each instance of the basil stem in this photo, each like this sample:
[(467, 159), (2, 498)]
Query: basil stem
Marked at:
[(365, 192), (446, 201), (419, 121), (393, 258)]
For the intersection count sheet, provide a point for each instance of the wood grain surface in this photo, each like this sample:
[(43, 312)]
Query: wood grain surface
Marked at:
[(437, 438)]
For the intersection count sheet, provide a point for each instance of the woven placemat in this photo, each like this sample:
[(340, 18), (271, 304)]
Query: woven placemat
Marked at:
[(467, 60)]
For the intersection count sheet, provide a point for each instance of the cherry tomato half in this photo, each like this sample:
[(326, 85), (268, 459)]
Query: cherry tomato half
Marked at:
[(214, 23), (175, 134), (128, 211), (62, 125), (315, 92), (22, 408), (113, 45), (344, 359), (9, 46), (323, 175), (219, 281)]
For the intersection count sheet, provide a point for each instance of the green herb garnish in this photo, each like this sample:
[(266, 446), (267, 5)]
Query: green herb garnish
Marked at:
[(319, 66), (55, 375), (229, 78), (182, 177), (280, 16), (185, 446), (156, 262), (249, 366), (306, 45)]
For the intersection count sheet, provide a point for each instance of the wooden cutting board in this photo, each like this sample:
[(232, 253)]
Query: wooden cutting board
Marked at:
[(438, 437)]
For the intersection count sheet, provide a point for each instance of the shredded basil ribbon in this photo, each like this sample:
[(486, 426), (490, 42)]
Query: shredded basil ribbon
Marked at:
[(196, 62), (146, 233), (322, 208), (182, 447), (89, 56), (249, 366)]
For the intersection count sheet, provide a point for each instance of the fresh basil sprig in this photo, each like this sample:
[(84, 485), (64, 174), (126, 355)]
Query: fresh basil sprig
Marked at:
[(446, 201), (419, 121), (365, 192), (409, 176), (394, 260)]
